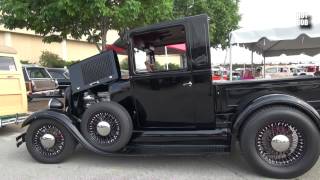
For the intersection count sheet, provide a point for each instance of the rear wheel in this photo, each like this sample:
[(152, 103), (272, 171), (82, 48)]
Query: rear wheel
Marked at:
[(280, 142), (49, 142), (107, 126)]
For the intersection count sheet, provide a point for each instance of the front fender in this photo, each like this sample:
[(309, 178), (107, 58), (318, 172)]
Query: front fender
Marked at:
[(57, 115), (275, 99), (68, 122)]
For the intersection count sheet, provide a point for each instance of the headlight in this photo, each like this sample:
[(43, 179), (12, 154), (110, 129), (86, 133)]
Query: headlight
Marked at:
[(55, 104)]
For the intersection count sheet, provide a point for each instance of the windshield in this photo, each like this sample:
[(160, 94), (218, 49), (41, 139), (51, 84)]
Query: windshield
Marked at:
[(58, 74)]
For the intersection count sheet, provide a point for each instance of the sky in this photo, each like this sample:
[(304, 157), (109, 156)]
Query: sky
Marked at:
[(266, 14)]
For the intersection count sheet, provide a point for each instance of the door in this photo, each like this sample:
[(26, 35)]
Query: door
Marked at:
[(41, 79), (13, 97), (161, 79)]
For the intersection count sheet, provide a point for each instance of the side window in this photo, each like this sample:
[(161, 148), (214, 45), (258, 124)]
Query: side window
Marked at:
[(7, 64), (38, 73), (163, 50)]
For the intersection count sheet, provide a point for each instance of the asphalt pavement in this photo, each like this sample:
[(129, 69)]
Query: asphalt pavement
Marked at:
[(16, 163)]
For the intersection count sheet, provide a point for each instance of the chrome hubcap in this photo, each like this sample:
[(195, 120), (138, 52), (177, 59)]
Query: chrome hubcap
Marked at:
[(103, 128), (280, 143), (47, 141)]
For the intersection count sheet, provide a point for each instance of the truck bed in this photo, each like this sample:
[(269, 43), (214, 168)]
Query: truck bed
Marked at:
[(229, 95)]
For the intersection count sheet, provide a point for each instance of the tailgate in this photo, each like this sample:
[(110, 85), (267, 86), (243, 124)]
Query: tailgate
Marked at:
[(43, 84)]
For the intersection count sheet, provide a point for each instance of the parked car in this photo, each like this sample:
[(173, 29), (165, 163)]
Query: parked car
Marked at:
[(179, 111), (276, 71), (309, 69), (61, 77), (298, 71), (39, 82), (219, 74), (13, 99)]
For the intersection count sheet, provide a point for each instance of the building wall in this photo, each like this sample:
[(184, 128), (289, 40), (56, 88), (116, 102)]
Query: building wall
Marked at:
[(1, 38), (80, 50), (30, 46)]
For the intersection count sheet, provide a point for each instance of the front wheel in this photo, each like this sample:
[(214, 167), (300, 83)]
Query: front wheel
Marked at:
[(107, 126), (280, 142), (48, 141)]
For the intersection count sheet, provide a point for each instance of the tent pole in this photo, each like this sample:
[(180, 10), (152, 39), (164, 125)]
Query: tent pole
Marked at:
[(166, 53), (252, 61), (264, 66), (230, 61)]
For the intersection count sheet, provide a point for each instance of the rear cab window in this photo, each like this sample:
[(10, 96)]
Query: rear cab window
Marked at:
[(37, 73)]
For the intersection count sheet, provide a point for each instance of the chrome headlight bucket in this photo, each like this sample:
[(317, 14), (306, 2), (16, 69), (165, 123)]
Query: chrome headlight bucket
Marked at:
[(55, 103)]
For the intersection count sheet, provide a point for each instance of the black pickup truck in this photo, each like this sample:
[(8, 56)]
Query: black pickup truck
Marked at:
[(176, 108)]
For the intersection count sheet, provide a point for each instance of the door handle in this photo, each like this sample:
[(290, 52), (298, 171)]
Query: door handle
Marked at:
[(188, 84)]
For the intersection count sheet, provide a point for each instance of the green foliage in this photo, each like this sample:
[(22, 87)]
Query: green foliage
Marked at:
[(80, 18), (51, 60), (124, 64), (224, 16), (25, 62), (172, 66), (48, 59), (159, 67)]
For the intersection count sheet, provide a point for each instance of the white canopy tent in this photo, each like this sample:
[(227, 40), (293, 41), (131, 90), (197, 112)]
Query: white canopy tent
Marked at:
[(278, 41)]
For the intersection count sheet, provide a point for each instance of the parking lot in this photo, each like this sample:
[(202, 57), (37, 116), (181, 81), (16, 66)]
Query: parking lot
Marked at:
[(18, 164)]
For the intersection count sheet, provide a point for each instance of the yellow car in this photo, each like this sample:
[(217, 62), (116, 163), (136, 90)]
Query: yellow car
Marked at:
[(13, 96)]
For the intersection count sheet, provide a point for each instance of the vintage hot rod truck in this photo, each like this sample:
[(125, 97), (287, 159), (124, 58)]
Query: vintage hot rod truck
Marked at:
[(178, 109)]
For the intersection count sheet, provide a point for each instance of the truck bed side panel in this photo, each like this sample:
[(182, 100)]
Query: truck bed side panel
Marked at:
[(230, 96)]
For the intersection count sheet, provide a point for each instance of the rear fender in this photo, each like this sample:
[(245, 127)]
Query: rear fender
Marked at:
[(275, 99), (65, 120)]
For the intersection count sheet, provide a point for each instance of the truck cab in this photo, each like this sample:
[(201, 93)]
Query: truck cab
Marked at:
[(187, 87), (169, 105)]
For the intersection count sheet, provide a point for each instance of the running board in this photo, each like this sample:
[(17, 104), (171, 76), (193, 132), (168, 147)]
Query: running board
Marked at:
[(175, 149), (182, 138)]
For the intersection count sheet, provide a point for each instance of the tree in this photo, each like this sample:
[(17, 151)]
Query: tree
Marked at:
[(124, 64), (51, 60), (48, 59), (56, 19), (223, 15)]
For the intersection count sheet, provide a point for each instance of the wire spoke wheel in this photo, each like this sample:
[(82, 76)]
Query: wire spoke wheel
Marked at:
[(104, 128), (48, 140), (107, 126), (280, 144)]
